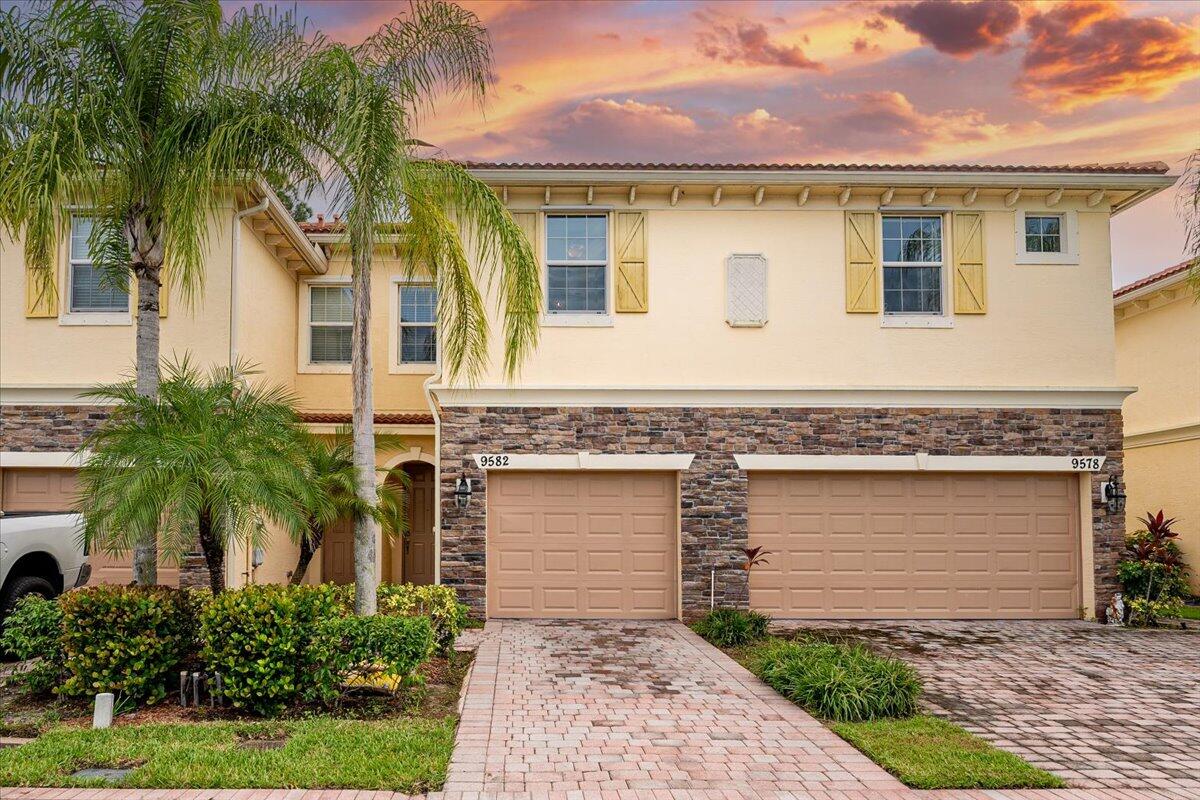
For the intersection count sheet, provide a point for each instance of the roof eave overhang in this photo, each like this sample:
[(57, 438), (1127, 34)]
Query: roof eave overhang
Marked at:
[(314, 259), (1162, 284), (775, 177)]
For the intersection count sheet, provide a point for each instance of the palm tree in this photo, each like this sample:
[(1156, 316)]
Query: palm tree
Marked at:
[(147, 114), (332, 493), (376, 93), (212, 457), (1188, 202)]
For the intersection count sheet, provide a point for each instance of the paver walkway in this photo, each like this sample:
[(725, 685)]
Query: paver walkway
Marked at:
[(1100, 707), (595, 705)]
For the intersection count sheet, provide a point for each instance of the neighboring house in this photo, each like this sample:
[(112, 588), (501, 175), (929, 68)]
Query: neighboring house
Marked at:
[(899, 380), (1158, 350)]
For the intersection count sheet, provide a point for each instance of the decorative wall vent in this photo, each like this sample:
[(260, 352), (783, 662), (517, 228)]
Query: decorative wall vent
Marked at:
[(746, 290)]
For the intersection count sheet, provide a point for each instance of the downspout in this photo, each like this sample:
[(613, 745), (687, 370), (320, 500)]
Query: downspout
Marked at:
[(236, 246), (437, 467)]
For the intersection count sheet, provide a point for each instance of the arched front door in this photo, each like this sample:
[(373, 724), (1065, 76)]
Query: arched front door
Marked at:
[(417, 550)]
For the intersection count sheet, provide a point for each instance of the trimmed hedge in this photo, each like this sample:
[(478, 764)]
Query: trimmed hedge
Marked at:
[(126, 639), (731, 627), (439, 603), (34, 630), (272, 645), (384, 647), (845, 683)]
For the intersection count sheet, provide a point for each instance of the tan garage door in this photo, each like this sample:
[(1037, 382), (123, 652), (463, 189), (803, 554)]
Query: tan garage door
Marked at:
[(573, 544), (899, 545), (29, 489)]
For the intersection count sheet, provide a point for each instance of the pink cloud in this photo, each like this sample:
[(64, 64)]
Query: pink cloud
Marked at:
[(747, 42)]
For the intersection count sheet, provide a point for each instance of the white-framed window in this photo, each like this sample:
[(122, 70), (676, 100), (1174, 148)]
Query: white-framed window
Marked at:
[(89, 292), (418, 323), (1047, 237), (577, 263), (913, 264), (330, 319)]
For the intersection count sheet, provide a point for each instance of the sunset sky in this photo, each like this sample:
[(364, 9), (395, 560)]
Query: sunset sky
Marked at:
[(994, 81)]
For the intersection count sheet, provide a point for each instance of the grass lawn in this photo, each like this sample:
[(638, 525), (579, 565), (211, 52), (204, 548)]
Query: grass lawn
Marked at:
[(925, 752), (1190, 612), (930, 753), (401, 755)]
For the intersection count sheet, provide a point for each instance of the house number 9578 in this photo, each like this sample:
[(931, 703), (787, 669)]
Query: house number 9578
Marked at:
[(1085, 463), (493, 461)]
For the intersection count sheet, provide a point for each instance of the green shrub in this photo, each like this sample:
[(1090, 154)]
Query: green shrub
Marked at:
[(439, 603), (34, 630), (731, 627), (1153, 573), (384, 647), (839, 682), (273, 645), (126, 639)]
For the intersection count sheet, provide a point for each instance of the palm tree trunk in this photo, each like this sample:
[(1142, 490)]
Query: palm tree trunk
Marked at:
[(214, 553), (145, 552), (309, 543), (366, 528)]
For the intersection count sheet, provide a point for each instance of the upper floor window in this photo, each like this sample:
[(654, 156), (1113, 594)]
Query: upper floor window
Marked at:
[(418, 324), (330, 318), (90, 292), (912, 264), (577, 263), (1043, 233)]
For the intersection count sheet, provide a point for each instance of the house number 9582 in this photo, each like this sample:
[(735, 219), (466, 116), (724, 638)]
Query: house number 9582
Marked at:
[(493, 461), (1085, 463)]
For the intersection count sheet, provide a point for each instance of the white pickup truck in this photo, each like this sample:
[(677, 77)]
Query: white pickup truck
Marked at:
[(40, 553)]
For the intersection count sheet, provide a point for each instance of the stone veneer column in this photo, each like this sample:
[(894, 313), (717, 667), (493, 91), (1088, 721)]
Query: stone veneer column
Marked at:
[(713, 506)]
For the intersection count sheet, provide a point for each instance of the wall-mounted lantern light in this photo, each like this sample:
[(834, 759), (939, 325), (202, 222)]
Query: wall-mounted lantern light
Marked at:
[(462, 492), (1111, 494)]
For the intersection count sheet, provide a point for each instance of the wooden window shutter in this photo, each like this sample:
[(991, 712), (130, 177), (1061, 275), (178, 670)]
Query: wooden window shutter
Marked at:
[(862, 263), (746, 290), (970, 268), (41, 293), (632, 278)]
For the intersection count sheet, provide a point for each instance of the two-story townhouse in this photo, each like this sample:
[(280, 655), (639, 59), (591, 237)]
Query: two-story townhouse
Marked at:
[(276, 295), (899, 381)]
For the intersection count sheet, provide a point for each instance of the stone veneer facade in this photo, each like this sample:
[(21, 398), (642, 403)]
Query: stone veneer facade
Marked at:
[(713, 491)]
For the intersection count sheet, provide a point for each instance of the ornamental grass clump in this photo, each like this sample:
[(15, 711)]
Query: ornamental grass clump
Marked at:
[(844, 683), (731, 627)]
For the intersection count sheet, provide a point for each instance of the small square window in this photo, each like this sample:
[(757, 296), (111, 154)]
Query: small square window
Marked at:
[(1043, 234)]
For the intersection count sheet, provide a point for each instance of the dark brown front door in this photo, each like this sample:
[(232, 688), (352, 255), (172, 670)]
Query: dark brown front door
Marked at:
[(337, 553), (418, 542)]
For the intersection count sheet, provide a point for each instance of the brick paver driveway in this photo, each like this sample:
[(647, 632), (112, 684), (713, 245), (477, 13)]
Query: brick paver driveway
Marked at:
[(558, 706), (1101, 707)]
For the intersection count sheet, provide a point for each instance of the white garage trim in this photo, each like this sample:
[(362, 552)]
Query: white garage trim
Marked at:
[(61, 458), (656, 462), (917, 462)]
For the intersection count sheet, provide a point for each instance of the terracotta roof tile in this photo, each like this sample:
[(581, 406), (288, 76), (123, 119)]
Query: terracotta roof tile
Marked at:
[(337, 418), (1157, 276), (1140, 168)]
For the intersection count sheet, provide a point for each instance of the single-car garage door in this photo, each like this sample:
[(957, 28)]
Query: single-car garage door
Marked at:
[(927, 545), (28, 489), (582, 544)]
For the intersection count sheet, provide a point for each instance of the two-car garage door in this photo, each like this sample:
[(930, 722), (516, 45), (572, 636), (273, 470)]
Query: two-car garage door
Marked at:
[(916, 545), (582, 544)]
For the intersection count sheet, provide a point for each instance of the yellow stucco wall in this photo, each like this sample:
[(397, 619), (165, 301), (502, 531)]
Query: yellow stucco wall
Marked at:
[(266, 324), (1158, 350), (397, 388), (1046, 325), (46, 352)]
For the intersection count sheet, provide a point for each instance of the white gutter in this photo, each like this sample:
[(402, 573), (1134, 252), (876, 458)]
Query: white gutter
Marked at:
[(233, 272)]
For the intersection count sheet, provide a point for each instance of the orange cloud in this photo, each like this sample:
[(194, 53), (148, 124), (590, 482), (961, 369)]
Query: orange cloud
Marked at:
[(960, 29), (1082, 53)]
